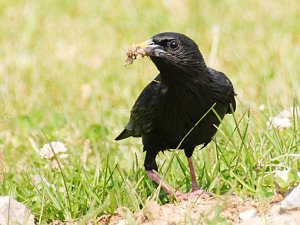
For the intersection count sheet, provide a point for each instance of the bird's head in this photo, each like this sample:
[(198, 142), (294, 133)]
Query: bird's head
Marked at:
[(170, 50)]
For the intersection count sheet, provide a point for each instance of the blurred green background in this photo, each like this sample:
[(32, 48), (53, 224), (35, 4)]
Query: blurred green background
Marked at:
[(62, 77)]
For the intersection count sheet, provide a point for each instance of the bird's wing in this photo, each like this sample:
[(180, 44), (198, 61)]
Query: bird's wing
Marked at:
[(143, 111), (223, 89)]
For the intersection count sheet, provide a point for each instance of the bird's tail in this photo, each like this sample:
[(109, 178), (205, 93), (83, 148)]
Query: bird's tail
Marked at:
[(124, 134)]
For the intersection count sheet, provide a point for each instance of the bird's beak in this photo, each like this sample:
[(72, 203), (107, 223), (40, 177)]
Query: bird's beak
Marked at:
[(146, 44), (150, 48)]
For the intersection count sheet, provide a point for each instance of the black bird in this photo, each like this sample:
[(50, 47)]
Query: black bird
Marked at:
[(185, 93)]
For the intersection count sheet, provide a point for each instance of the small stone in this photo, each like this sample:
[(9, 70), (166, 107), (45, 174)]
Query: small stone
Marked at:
[(275, 210), (292, 201), (121, 222), (249, 214), (17, 212)]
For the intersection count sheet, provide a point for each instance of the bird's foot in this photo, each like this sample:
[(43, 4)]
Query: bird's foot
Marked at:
[(191, 195)]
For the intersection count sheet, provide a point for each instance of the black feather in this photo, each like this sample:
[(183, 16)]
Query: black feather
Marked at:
[(184, 91)]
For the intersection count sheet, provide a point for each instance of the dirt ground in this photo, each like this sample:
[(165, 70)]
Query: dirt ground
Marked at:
[(208, 210), (193, 211)]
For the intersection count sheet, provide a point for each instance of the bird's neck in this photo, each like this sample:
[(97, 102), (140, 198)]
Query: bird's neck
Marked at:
[(177, 78)]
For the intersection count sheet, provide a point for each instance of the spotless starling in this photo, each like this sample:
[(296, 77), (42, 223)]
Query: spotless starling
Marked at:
[(182, 107)]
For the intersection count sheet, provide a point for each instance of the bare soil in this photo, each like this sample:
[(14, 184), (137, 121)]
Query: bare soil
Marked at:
[(208, 210)]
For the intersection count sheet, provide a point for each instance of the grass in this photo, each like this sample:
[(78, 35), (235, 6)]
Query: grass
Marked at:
[(62, 79)]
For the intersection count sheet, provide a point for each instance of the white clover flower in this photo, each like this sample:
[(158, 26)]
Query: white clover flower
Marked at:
[(282, 120), (57, 147), (279, 123), (46, 153), (48, 150)]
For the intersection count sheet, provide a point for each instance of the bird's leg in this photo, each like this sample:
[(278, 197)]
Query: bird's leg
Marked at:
[(188, 153), (196, 191), (192, 172), (153, 175), (151, 168)]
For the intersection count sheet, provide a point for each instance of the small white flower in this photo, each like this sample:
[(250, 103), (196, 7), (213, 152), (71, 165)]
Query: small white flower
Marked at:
[(46, 152), (57, 147), (54, 148), (279, 122), (261, 107), (282, 120)]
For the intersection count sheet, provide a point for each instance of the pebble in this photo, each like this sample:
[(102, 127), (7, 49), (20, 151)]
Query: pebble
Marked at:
[(249, 214), (121, 222), (18, 213), (292, 201)]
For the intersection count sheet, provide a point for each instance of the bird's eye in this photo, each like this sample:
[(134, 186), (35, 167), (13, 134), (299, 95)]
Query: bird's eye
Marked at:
[(173, 44)]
